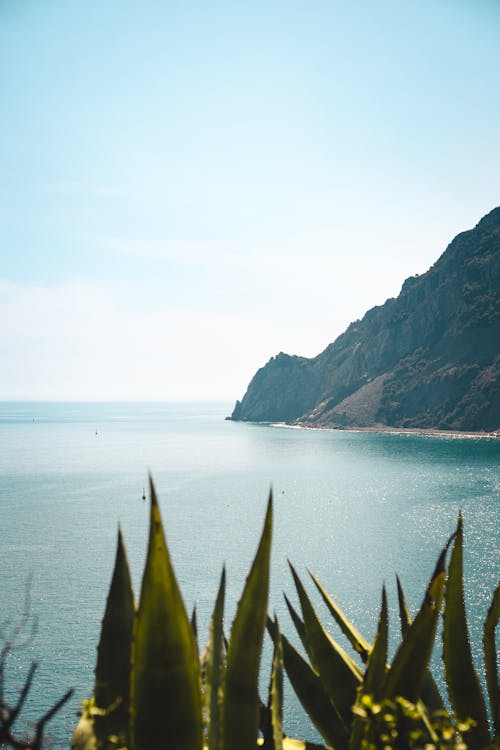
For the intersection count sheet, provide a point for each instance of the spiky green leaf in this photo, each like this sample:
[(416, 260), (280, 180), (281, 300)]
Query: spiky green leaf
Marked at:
[(166, 699), (312, 695), (404, 612), (407, 674), (358, 642), (463, 685), (373, 682), (491, 659), (214, 666), (374, 679), (276, 692), (297, 621), (431, 697), (194, 624), (112, 673), (241, 700), (339, 674)]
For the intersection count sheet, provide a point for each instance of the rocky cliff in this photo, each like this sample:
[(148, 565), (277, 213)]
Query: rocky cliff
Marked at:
[(429, 358)]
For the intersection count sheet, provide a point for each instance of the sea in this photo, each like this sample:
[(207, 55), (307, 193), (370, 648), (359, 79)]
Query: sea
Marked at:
[(354, 508)]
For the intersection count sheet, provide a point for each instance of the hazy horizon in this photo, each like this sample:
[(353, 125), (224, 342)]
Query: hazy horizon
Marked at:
[(189, 188)]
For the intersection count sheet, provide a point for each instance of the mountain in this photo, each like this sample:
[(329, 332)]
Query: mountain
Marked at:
[(429, 358)]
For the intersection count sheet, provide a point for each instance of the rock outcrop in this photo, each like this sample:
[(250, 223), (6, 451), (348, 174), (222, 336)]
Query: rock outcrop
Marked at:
[(429, 358)]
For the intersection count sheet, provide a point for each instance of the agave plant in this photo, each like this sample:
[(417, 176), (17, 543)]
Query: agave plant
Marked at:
[(152, 688), (398, 704)]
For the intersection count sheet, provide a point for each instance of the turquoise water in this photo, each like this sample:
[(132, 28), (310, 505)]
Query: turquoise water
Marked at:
[(354, 508)]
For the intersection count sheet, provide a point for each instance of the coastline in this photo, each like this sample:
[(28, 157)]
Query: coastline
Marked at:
[(386, 430)]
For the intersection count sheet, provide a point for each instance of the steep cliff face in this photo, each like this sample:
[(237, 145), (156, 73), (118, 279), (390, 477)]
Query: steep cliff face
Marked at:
[(429, 358), (280, 391)]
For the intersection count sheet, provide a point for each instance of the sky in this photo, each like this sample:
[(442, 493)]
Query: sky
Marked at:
[(188, 188)]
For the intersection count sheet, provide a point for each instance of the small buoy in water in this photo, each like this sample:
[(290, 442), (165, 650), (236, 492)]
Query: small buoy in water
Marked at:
[(143, 494)]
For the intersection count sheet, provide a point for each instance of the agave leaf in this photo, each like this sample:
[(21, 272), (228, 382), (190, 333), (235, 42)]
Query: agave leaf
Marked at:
[(240, 716), (112, 673), (373, 682), (214, 666), (407, 674), (404, 612), (339, 674), (276, 692), (358, 642), (464, 689), (265, 713), (194, 624), (431, 697), (297, 621), (166, 699), (312, 695), (491, 659)]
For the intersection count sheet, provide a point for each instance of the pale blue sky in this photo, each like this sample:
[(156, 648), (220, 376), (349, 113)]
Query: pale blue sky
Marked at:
[(188, 188)]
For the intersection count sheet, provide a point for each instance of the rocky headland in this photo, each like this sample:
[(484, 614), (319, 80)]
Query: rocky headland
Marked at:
[(427, 359)]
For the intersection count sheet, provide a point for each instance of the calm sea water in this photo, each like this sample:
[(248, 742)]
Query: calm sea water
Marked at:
[(354, 508)]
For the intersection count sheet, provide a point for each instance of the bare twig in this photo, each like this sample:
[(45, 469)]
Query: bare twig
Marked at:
[(11, 640), (19, 635), (14, 712), (37, 744)]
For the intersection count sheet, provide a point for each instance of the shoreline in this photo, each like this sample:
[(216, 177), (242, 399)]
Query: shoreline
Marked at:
[(386, 430)]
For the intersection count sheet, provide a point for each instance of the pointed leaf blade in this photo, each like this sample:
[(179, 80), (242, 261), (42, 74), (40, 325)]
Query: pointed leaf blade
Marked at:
[(214, 668), (240, 717), (194, 623), (407, 674), (373, 682), (166, 700), (404, 612), (358, 642), (491, 659), (312, 695), (299, 625), (276, 692), (463, 685), (112, 673), (339, 674), (431, 697)]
